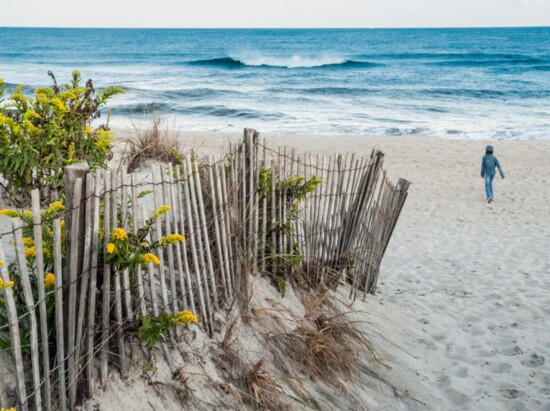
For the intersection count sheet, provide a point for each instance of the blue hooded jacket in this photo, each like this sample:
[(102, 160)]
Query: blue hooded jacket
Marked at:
[(488, 165)]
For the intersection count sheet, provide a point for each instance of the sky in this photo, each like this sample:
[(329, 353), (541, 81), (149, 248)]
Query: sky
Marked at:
[(274, 13)]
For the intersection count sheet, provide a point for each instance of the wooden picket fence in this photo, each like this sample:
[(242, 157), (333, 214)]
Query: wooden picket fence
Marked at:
[(336, 233)]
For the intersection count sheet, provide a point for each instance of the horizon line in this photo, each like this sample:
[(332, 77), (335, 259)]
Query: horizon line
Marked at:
[(274, 28)]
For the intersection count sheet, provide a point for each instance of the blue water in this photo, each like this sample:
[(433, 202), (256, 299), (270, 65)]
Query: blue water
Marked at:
[(459, 83)]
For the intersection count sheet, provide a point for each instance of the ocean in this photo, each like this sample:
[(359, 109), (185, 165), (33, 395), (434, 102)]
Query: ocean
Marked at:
[(491, 83)]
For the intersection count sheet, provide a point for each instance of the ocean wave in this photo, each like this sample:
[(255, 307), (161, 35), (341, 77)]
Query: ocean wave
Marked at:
[(142, 108), (224, 111), (282, 62)]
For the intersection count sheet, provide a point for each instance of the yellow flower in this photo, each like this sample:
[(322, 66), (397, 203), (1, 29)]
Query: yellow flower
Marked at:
[(27, 213), (5, 284), (88, 129), (13, 408), (185, 317), (49, 280), (31, 114), (104, 140), (172, 239), (56, 207), (163, 209), (28, 242), (2, 263), (68, 95), (111, 248), (10, 213), (31, 252), (1, 81), (150, 258), (119, 234), (56, 101), (30, 126)]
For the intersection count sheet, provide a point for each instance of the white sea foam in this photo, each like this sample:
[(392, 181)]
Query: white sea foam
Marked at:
[(294, 61)]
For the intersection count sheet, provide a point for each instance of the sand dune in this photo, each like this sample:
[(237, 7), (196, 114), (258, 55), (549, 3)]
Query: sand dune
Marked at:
[(463, 308), (473, 278)]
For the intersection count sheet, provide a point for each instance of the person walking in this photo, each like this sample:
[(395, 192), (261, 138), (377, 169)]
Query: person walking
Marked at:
[(488, 165)]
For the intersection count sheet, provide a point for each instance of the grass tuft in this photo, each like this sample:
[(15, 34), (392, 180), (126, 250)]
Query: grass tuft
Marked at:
[(153, 143), (262, 388)]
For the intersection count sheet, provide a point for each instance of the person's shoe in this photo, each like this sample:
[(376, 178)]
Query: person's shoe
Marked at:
[(490, 200)]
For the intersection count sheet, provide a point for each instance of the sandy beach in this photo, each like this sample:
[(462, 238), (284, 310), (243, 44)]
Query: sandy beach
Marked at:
[(472, 277), (462, 312)]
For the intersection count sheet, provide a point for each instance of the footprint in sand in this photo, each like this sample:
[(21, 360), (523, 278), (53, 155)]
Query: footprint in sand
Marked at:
[(533, 360), (511, 350), (511, 393)]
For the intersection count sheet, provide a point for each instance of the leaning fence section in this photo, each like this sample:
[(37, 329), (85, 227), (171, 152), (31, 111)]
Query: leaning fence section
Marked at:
[(68, 315)]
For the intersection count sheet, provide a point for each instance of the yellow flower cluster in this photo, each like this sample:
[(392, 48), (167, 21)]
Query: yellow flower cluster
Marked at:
[(111, 248), (119, 234), (56, 101), (5, 284), (186, 317), (163, 209), (13, 408), (2, 263), (10, 213), (150, 258), (30, 252), (28, 242), (56, 207), (172, 239), (49, 280), (27, 213), (88, 129), (104, 140)]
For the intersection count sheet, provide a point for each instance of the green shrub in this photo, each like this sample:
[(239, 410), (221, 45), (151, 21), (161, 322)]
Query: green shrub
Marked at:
[(41, 135)]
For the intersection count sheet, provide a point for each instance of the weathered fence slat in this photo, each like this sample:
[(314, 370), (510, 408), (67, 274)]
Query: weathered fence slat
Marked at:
[(73, 278), (13, 322), (204, 225), (124, 221), (167, 199), (189, 292), (29, 302), (59, 323), (157, 235), (188, 187), (37, 228), (217, 235), (90, 189), (152, 279), (136, 219), (106, 287), (117, 283), (92, 289)]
